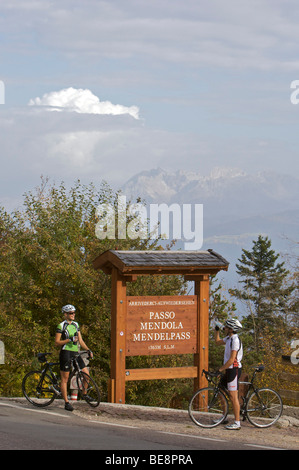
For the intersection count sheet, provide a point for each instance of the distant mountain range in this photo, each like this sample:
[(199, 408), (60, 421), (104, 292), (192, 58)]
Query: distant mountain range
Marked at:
[(237, 206), (238, 192)]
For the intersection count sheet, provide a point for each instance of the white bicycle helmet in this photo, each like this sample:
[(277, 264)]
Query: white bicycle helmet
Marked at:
[(234, 324), (68, 308)]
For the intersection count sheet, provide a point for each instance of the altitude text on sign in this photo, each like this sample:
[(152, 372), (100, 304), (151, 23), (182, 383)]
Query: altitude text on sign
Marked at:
[(161, 325)]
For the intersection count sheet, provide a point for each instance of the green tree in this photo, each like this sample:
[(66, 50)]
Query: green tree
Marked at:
[(220, 308), (265, 289), (292, 260), (46, 254)]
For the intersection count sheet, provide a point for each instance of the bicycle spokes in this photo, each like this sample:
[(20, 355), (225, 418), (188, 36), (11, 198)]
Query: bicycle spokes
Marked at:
[(38, 388), (88, 389), (208, 407), (264, 407)]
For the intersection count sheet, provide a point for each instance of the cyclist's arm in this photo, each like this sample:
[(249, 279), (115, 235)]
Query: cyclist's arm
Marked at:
[(230, 362), (218, 341), (81, 342), (60, 342)]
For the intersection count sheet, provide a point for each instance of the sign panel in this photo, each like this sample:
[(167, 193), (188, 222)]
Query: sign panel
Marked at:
[(161, 325)]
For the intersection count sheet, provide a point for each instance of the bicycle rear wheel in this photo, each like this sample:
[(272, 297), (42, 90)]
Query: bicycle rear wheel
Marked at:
[(88, 389), (38, 389), (208, 408), (264, 408)]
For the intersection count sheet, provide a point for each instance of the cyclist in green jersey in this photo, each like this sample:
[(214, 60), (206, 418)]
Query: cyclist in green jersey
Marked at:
[(67, 337)]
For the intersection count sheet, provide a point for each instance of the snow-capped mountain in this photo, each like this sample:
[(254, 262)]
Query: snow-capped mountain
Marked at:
[(237, 206), (226, 192)]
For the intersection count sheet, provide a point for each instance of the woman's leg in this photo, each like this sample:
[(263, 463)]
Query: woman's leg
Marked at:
[(63, 387)]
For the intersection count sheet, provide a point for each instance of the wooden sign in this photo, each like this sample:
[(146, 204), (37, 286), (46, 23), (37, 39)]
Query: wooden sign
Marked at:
[(161, 325)]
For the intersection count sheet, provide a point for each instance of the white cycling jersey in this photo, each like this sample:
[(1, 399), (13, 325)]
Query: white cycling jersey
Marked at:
[(233, 343)]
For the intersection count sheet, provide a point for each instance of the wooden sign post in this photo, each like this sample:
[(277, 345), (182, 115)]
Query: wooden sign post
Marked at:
[(150, 325)]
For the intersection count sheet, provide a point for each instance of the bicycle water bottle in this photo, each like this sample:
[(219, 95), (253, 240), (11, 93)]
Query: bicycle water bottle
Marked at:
[(217, 325)]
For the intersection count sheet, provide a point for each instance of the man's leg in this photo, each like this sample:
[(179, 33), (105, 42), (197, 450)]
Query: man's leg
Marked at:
[(233, 388), (236, 405)]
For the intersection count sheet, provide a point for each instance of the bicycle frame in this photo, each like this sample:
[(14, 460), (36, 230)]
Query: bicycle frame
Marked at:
[(261, 406), (251, 389), (47, 369), (42, 387), (55, 380)]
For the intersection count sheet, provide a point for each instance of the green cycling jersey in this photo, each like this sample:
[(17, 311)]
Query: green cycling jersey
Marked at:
[(68, 331)]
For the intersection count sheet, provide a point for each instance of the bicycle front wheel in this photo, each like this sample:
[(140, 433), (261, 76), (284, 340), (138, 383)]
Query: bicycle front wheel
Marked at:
[(264, 408), (208, 408), (38, 389), (88, 389)]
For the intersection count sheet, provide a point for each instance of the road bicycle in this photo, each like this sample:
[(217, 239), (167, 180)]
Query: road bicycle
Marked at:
[(42, 387), (209, 406)]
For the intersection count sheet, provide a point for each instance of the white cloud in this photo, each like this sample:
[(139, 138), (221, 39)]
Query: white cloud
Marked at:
[(81, 101)]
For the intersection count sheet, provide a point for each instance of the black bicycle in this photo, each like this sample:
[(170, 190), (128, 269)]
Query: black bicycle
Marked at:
[(209, 406), (41, 387)]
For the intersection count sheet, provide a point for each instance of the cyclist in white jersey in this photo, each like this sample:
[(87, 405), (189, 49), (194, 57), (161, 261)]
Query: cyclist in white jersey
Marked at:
[(232, 366)]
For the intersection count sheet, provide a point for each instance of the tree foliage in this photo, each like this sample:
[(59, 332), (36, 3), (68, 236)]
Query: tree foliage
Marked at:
[(221, 308), (265, 288), (46, 254), (269, 292)]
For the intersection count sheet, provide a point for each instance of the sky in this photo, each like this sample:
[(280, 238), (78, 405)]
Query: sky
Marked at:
[(101, 90)]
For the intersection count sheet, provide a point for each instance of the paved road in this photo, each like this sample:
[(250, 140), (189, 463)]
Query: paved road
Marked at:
[(25, 427)]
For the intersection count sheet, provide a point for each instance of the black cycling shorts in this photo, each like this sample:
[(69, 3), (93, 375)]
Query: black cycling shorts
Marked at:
[(65, 360), (230, 380)]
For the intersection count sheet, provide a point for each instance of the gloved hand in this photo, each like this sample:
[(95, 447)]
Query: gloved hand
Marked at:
[(74, 339)]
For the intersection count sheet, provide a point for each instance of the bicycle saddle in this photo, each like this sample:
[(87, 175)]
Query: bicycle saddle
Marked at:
[(260, 368), (42, 357)]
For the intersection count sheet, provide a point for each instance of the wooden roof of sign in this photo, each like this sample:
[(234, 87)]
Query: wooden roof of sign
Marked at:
[(161, 262)]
